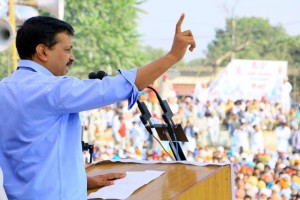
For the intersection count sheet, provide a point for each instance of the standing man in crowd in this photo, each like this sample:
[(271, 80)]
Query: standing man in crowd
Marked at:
[(283, 134), (285, 95), (166, 87), (40, 141), (296, 140)]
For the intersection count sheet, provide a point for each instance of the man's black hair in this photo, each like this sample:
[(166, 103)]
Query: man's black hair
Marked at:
[(39, 30)]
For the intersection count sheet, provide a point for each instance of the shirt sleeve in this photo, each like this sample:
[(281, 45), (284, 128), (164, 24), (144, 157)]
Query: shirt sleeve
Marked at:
[(130, 76), (68, 94)]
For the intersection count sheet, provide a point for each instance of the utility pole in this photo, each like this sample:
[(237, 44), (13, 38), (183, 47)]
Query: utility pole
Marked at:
[(12, 20), (233, 38)]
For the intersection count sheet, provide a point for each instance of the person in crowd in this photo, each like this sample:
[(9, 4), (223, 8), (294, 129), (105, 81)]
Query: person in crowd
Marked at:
[(247, 197), (40, 143), (230, 118), (137, 136), (116, 124), (240, 138), (240, 189), (257, 140), (296, 140), (283, 134), (213, 125), (191, 134), (123, 133), (285, 95), (166, 86)]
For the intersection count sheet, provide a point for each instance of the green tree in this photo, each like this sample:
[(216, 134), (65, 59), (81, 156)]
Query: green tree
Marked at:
[(6, 64), (294, 50), (196, 62), (105, 35), (247, 38), (150, 53), (294, 63)]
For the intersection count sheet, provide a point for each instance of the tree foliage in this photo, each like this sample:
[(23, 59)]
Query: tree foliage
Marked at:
[(294, 50), (5, 63), (105, 35), (151, 53), (196, 62), (248, 38)]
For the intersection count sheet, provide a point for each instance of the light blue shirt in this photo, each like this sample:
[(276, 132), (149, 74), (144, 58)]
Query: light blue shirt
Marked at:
[(40, 131)]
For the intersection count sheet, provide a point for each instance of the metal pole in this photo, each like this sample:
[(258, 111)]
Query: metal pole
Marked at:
[(12, 20)]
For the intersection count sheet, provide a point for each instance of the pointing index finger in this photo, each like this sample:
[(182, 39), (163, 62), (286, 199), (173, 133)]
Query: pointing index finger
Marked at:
[(178, 25)]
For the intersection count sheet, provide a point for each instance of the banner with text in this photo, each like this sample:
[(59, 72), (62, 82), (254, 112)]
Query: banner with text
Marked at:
[(249, 79)]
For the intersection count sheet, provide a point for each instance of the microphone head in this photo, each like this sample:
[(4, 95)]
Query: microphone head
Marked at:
[(101, 74), (93, 75)]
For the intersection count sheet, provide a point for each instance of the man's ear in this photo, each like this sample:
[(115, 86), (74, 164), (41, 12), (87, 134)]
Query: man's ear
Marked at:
[(41, 52)]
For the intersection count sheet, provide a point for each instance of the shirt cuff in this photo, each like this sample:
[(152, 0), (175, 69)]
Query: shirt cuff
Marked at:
[(130, 76)]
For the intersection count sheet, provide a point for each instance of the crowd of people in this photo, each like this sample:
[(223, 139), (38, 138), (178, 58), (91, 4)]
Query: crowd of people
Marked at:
[(218, 132)]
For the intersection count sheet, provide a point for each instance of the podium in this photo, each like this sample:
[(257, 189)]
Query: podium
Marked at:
[(180, 181)]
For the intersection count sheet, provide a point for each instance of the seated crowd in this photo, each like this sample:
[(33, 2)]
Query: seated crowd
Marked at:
[(218, 132)]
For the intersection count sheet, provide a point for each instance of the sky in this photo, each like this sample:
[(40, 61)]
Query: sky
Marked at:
[(203, 17)]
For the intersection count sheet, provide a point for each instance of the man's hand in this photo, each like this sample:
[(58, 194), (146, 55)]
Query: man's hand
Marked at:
[(150, 72), (98, 181), (181, 41)]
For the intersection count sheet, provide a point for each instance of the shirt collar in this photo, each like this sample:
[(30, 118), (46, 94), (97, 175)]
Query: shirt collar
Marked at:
[(35, 66)]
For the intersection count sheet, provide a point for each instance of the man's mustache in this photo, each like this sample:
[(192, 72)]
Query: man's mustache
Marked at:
[(69, 64)]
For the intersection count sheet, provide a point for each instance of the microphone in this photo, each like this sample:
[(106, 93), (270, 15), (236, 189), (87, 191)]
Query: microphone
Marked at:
[(99, 75), (92, 75)]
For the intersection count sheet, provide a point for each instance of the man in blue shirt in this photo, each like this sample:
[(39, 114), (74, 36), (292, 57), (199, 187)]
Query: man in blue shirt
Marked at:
[(40, 134)]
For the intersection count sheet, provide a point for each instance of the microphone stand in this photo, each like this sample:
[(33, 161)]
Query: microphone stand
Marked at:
[(89, 147), (164, 130)]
